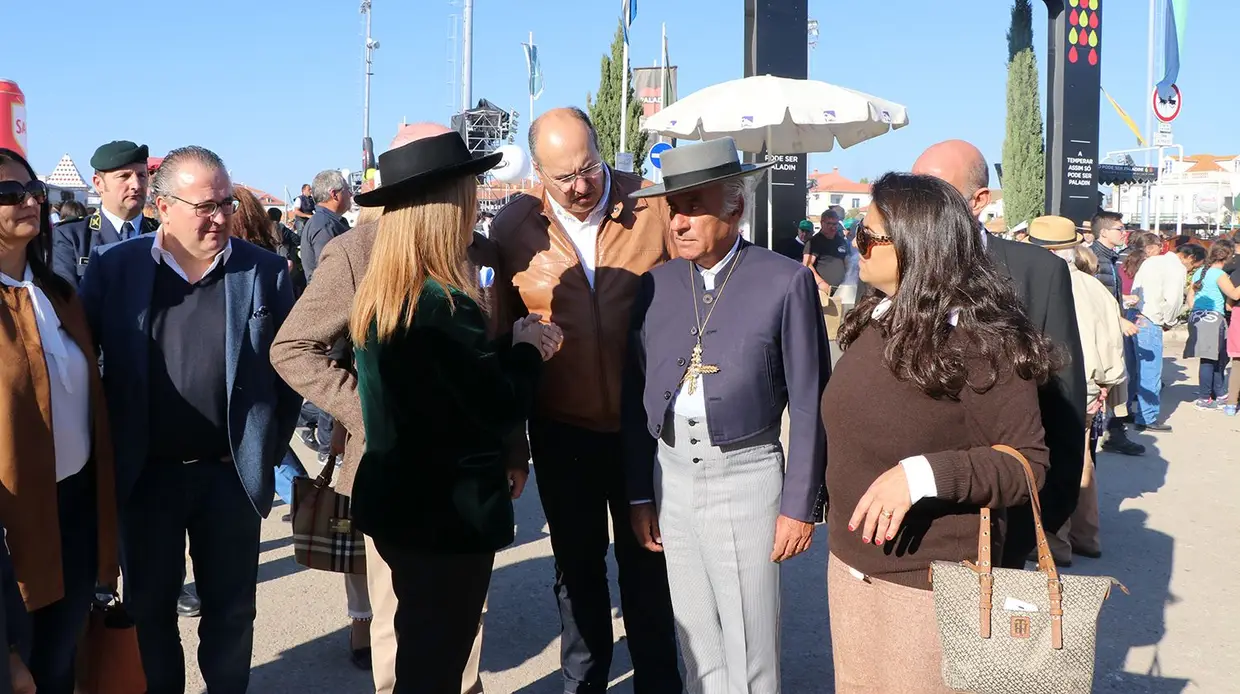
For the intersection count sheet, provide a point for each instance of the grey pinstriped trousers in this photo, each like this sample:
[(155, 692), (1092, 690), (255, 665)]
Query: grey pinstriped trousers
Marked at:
[(717, 512)]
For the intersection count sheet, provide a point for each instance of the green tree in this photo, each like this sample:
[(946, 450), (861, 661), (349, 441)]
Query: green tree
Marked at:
[(604, 108), (1024, 154)]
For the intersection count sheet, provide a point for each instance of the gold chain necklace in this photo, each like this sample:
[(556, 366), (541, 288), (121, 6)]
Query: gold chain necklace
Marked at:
[(697, 368)]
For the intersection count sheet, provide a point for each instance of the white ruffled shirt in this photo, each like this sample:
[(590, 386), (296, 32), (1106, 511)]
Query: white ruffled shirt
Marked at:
[(68, 381)]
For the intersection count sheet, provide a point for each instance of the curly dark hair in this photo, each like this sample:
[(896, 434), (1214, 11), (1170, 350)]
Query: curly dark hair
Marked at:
[(944, 269)]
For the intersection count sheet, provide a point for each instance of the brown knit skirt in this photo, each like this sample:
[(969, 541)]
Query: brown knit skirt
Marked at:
[(884, 636)]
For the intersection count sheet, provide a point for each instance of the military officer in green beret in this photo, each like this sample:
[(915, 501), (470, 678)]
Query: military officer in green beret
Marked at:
[(121, 181)]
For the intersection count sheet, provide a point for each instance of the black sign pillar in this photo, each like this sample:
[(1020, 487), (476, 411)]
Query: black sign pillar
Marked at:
[(776, 44), (1073, 98)]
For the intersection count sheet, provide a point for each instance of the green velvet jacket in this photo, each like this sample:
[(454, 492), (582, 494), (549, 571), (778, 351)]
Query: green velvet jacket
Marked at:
[(437, 402)]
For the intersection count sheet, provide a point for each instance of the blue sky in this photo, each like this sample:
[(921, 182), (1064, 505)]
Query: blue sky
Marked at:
[(275, 86)]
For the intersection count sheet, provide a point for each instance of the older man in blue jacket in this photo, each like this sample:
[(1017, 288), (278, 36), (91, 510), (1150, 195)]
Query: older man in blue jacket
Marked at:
[(723, 340), (185, 318)]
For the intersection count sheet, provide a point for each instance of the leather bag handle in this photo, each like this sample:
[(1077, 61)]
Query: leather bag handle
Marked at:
[(325, 476), (1046, 563)]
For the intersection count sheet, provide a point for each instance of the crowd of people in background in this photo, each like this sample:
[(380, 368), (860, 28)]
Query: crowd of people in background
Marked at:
[(163, 351)]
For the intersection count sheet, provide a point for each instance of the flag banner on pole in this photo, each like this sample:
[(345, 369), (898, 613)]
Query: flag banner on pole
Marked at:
[(1132, 125), (628, 11), (535, 70), (649, 86), (669, 87), (1176, 20)]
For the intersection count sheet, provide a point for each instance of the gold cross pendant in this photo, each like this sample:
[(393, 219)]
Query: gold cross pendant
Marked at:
[(697, 369)]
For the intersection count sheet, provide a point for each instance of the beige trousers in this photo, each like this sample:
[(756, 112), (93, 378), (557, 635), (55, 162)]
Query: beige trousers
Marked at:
[(884, 636), (1082, 530), (383, 630), (832, 313)]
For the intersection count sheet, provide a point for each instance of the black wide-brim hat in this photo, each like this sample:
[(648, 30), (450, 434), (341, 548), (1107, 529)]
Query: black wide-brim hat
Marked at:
[(424, 163)]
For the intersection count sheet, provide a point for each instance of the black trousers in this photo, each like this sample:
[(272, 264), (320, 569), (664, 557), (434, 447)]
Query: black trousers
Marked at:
[(319, 422), (207, 500), (56, 627), (580, 478), (439, 601)]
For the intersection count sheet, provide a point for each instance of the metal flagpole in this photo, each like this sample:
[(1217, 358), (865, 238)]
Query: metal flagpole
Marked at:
[(1149, 76), (658, 173), (624, 100), (531, 66), (467, 61)]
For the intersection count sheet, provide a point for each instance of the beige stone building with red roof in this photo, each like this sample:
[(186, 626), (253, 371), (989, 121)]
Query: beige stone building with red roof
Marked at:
[(827, 189), (1201, 189)]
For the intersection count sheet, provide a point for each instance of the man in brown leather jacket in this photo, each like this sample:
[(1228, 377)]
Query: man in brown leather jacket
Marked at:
[(572, 251)]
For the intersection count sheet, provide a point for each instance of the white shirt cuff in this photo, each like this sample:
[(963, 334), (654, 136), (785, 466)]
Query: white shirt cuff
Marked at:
[(920, 478)]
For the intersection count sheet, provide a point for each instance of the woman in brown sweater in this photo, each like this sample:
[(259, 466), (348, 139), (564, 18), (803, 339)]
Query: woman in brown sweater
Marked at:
[(940, 364), (57, 485)]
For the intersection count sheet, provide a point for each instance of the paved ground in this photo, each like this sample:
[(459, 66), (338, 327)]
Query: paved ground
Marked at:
[(1169, 535)]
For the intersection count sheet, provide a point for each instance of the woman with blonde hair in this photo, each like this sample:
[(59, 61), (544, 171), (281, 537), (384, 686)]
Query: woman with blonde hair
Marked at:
[(437, 401)]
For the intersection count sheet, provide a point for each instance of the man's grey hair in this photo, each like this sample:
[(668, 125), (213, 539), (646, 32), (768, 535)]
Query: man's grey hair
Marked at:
[(738, 192), (325, 183), (165, 180), (573, 111)]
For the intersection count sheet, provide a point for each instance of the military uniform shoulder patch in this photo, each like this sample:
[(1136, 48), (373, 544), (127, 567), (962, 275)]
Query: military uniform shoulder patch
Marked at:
[(95, 223)]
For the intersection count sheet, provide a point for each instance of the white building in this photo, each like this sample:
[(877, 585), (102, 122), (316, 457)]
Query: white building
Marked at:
[(65, 179), (1201, 189), (833, 189)]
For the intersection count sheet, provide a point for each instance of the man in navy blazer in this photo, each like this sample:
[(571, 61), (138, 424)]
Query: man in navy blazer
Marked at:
[(184, 318), (723, 339)]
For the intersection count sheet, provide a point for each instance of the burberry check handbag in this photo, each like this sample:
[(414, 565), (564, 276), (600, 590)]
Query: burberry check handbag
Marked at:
[(1040, 636), (323, 534)]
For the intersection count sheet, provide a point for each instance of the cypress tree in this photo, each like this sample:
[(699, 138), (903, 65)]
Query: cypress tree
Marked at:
[(1024, 155), (604, 108)]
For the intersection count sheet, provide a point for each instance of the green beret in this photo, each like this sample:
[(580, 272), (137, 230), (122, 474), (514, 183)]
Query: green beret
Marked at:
[(806, 225), (119, 153)]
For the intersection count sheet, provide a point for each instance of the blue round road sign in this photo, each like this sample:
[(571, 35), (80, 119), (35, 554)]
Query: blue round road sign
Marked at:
[(656, 154)]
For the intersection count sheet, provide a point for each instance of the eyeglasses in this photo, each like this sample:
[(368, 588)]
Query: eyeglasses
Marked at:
[(14, 193), (866, 240), (570, 179), (210, 207)]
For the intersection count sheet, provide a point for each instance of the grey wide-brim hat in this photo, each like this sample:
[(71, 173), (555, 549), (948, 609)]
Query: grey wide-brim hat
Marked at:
[(698, 165)]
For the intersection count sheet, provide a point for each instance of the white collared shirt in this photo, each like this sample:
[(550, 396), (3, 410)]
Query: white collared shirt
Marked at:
[(584, 234), (694, 404), (161, 255), (917, 470), (119, 223), (68, 381)]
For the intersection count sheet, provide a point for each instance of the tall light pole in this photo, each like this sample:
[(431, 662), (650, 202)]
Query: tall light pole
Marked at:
[(1149, 76), (368, 60), (467, 61)]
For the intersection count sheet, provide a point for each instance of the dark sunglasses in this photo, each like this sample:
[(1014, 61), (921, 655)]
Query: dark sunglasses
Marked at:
[(14, 193), (866, 240)]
